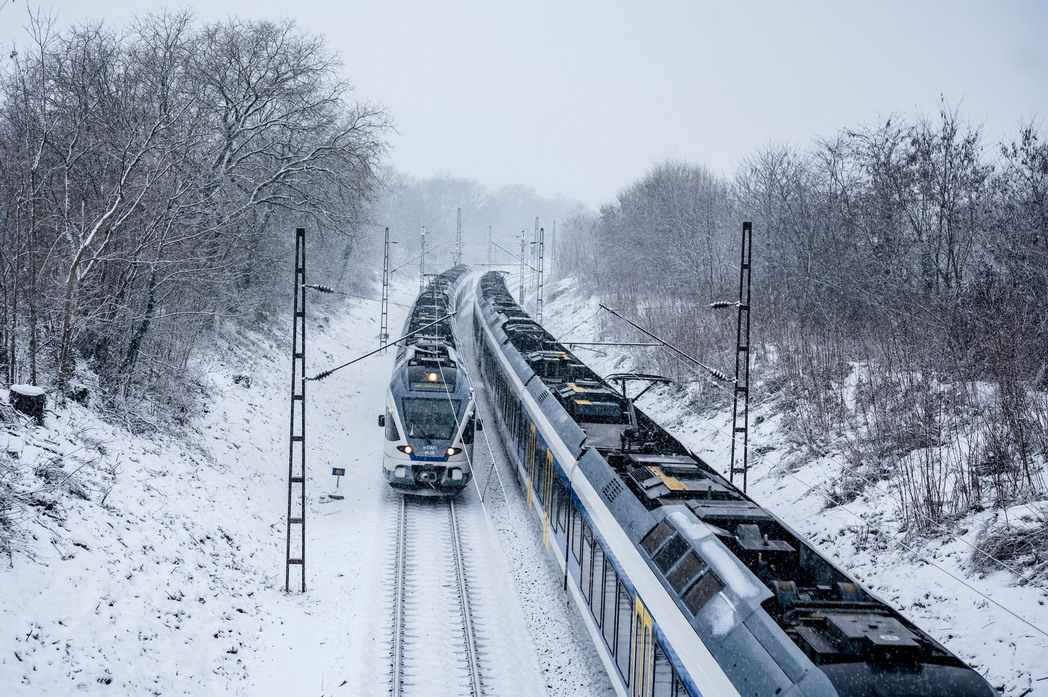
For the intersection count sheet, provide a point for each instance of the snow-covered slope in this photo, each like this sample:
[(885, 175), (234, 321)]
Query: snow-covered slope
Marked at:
[(999, 628), (154, 564)]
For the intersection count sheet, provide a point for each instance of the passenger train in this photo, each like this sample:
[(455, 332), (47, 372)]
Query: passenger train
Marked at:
[(688, 587), (429, 421)]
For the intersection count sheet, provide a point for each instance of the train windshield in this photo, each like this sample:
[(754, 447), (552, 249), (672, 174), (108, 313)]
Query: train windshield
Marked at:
[(432, 419)]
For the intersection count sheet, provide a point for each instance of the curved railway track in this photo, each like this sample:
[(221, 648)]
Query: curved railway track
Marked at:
[(434, 642)]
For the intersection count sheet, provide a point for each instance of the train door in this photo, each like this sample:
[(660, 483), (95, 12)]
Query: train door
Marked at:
[(529, 461), (547, 499), (643, 653)]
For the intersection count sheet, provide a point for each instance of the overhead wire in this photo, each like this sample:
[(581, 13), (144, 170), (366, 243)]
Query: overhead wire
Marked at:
[(332, 291)]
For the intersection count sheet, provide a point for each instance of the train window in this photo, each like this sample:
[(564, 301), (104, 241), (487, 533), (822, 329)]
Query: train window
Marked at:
[(467, 432), (576, 534), (522, 426), (678, 688), (662, 676), (391, 427), (656, 536), (607, 620), (673, 550), (565, 501), (597, 580), (538, 475), (643, 671), (624, 626), (557, 504), (529, 456), (586, 575), (545, 466), (688, 569), (707, 587)]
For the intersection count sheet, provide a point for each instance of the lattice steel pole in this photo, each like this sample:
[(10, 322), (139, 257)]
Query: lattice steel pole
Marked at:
[(553, 249), (741, 404), (538, 312), (383, 332), (296, 463), (457, 256), (523, 237), (533, 251), (422, 263)]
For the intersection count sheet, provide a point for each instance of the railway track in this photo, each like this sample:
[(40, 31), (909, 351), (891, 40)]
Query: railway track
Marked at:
[(434, 641)]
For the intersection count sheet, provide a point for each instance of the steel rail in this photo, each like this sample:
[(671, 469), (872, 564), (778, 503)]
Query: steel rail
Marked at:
[(400, 582), (399, 571), (467, 614)]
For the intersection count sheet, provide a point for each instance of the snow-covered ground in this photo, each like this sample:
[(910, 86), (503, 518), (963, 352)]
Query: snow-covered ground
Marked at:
[(154, 564), (998, 627)]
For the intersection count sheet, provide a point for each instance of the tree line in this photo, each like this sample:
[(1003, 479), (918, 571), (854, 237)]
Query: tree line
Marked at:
[(152, 178), (900, 279)]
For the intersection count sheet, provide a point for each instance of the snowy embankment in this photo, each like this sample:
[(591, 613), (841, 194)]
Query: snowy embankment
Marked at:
[(154, 564), (998, 627)]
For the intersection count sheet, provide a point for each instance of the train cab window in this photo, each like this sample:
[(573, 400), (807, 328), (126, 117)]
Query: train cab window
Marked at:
[(471, 427), (656, 536), (690, 567), (673, 550), (624, 624), (707, 587), (391, 427), (662, 674), (678, 688), (433, 419)]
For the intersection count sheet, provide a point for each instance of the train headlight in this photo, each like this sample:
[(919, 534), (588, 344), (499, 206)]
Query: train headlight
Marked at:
[(400, 472), (455, 473), (452, 451), (406, 449)]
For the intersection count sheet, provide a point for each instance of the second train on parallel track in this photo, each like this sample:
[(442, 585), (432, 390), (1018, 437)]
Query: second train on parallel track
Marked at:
[(430, 411)]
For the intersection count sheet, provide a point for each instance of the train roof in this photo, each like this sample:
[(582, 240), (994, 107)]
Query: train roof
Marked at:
[(429, 313), (427, 360)]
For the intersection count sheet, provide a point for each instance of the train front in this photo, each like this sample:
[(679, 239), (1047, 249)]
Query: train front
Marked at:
[(429, 424)]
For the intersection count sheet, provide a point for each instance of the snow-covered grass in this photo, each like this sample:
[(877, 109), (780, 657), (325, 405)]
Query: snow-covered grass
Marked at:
[(140, 565), (154, 563), (1000, 627)]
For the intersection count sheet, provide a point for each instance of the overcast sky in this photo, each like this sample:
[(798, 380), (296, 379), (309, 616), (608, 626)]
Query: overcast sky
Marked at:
[(581, 97)]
